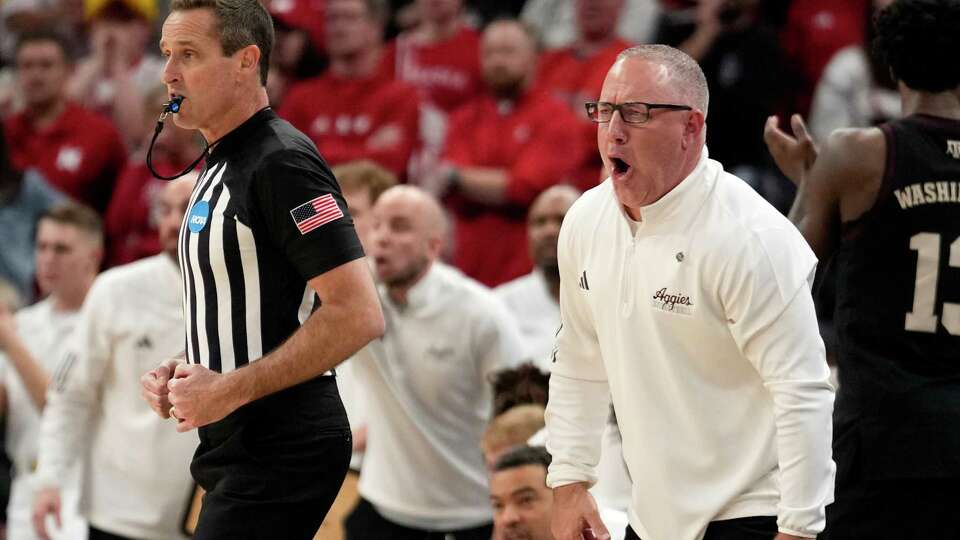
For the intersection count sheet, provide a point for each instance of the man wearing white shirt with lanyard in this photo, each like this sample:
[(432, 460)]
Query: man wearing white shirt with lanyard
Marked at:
[(686, 297)]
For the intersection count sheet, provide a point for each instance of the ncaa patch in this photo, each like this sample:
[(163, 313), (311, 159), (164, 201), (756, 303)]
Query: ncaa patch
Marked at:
[(199, 214)]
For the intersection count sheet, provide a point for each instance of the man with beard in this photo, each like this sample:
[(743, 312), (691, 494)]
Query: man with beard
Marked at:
[(534, 299), (503, 149), (428, 401)]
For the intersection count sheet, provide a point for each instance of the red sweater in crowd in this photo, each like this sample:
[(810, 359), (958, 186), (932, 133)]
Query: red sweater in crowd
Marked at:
[(80, 154), (364, 118), (531, 139), (447, 73), (576, 79)]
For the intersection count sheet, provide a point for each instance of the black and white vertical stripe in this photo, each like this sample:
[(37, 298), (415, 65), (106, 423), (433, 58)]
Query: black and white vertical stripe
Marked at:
[(221, 282)]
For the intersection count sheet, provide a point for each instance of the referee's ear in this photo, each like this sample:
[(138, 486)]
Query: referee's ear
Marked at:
[(249, 57)]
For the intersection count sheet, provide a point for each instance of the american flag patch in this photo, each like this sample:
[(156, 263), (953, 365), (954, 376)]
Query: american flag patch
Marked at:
[(315, 213)]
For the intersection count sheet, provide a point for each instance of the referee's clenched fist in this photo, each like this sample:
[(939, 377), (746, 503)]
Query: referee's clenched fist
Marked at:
[(154, 386)]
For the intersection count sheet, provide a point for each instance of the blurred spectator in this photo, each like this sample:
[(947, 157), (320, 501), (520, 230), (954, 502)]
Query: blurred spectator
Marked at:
[(423, 474), (510, 429), (534, 299), (557, 21), (115, 78), (131, 218), (78, 151), (503, 149), (575, 73), (305, 15), (355, 110), (856, 89), (441, 58), (18, 17), (69, 252), (24, 197), (295, 55), (522, 502), (815, 30), (136, 476), (523, 384), (745, 70)]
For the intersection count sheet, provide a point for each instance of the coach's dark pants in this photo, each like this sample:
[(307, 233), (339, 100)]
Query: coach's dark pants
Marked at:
[(365, 523), (747, 528), (272, 469)]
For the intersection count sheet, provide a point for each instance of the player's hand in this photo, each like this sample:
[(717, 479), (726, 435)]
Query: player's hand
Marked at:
[(199, 396), (574, 510), (46, 502), (794, 154), (153, 386)]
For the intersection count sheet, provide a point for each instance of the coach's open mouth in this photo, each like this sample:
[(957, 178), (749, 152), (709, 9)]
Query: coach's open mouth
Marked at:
[(620, 167)]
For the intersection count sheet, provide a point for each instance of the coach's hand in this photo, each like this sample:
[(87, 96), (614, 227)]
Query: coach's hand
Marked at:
[(153, 386), (785, 536), (574, 510), (46, 502), (199, 396)]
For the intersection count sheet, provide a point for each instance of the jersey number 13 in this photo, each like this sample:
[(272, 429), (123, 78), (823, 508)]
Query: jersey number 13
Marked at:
[(923, 318)]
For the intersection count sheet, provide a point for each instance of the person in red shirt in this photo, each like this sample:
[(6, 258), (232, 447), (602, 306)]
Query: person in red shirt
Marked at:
[(78, 151), (441, 58), (131, 218), (356, 110), (575, 74), (503, 149)]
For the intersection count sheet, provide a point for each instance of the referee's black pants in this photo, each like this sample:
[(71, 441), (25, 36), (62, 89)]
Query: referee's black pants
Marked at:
[(365, 523), (746, 528), (273, 468)]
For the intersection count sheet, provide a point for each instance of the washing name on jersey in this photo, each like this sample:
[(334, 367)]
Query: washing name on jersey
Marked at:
[(927, 193)]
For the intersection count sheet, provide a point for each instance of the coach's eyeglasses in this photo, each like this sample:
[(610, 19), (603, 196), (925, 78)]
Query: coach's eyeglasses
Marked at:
[(632, 112)]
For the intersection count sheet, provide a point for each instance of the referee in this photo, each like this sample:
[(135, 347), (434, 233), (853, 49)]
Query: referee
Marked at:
[(266, 238)]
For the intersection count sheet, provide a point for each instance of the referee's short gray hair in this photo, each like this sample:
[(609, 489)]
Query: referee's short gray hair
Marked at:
[(684, 71)]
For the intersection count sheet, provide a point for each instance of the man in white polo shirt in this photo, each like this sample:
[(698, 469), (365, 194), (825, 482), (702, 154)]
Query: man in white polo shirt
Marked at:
[(136, 479), (423, 473), (69, 250), (686, 297)]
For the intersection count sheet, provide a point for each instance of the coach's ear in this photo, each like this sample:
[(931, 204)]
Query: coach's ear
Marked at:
[(694, 131)]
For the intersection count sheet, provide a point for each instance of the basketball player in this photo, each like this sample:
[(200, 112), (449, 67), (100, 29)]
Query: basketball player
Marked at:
[(884, 202)]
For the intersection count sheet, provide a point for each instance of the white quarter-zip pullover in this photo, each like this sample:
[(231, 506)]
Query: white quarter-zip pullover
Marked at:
[(137, 480), (700, 324)]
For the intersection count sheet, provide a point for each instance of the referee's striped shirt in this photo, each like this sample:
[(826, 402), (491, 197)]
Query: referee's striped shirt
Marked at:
[(265, 217)]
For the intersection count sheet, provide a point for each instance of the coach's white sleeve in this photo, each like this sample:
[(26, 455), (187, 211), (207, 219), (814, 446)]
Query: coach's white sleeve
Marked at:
[(75, 389), (579, 394), (768, 303)]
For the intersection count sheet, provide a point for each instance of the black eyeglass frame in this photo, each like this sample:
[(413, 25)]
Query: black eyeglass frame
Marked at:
[(619, 107)]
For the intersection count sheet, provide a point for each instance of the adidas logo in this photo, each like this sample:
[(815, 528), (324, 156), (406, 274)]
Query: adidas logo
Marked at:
[(584, 284)]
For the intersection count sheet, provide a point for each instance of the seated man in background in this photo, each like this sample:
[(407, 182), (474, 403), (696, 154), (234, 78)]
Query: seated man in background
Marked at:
[(356, 110), (503, 149)]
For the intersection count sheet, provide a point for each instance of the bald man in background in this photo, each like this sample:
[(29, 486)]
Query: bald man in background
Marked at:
[(534, 299), (428, 400)]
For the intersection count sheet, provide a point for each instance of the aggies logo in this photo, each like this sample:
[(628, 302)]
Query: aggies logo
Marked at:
[(678, 303)]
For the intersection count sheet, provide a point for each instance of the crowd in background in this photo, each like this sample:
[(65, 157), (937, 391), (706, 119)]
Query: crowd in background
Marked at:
[(478, 103)]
